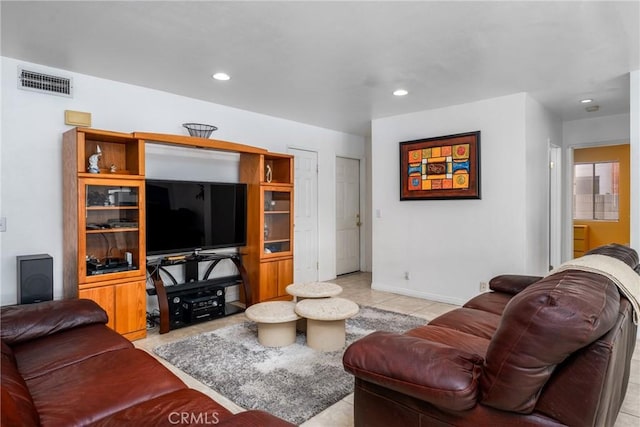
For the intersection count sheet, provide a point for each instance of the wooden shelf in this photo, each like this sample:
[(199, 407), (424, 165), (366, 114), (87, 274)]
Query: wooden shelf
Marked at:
[(271, 187), (107, 174), (113, 230), (111, 208), (194, 142), (120, 293), (277, 241)]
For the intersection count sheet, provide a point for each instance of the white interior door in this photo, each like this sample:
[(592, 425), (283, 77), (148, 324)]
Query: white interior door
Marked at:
[(305, 228), (347, 215)]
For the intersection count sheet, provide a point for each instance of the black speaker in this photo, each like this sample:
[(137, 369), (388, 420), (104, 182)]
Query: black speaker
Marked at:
[(35, 278)]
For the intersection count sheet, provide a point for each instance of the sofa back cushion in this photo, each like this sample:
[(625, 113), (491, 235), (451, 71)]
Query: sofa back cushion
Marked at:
[(16, 402), (541, 327), (21, 323), (620, 252)]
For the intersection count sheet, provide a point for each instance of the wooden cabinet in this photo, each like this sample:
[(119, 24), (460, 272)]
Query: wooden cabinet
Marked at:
[(275, 276), (269, 251), (580, 240), (104, 232), (104, 227), (130, 303), (104, 297), (110, 217), (125, 304)]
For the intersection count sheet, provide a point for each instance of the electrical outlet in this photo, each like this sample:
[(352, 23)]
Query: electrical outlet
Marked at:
[(406, 275), (484, 286), (3, 224)]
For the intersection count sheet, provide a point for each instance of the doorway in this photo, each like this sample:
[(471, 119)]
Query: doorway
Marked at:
[(601, 197), (348, 219), (305, 222)]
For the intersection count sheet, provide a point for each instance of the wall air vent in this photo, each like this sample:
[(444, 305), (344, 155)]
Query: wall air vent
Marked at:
[(47, 83)]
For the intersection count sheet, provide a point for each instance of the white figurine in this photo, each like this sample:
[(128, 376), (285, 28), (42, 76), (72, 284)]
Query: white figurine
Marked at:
[(93, 161), (269, 173)]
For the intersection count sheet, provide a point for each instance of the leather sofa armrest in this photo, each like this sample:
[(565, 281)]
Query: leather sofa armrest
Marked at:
[(436, 373), (21, 323), (254, 418), (512, 283)]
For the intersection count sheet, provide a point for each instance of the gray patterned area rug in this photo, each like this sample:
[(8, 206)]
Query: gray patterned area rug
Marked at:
[(294, 382)]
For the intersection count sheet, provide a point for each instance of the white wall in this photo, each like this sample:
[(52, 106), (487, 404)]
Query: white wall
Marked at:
[(542, 129), (31, 162), (613, 129), (368, 218), (450, 246)]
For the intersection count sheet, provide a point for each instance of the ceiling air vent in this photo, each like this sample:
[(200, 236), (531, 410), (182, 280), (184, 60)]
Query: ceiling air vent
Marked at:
[(47, 83)]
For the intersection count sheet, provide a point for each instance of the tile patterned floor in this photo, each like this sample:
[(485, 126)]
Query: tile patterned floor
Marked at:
[(357, 287)]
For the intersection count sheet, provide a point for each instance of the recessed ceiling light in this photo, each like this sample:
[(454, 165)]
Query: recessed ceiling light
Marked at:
[(221, 76), (400, 92), (586, 101)]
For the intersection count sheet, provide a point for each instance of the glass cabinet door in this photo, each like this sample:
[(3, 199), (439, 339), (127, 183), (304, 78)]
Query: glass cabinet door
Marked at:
[(112, 233), (277, 221)]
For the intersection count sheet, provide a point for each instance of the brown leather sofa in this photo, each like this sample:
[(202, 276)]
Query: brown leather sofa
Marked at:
[(534, 351), (62, 366)]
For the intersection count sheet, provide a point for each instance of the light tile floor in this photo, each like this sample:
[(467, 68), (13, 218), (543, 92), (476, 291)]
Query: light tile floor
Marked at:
[(357, 287)]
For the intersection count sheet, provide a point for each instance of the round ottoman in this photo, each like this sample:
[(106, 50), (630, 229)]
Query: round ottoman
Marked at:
[(313, 290), (276, 322), (325, 321)]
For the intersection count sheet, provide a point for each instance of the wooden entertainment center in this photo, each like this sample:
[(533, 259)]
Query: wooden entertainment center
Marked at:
[(104, 221)]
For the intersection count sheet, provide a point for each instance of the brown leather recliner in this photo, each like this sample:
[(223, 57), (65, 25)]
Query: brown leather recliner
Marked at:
[(534, 351)]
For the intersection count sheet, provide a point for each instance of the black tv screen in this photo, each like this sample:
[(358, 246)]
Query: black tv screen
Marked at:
[(184, 215)]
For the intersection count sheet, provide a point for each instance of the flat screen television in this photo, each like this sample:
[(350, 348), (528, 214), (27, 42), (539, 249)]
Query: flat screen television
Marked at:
[(184, 216)]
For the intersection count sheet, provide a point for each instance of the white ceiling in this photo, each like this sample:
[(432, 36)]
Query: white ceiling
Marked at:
[(335, 64)]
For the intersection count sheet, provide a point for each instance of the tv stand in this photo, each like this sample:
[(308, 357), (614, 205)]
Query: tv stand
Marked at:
[(195, 300)]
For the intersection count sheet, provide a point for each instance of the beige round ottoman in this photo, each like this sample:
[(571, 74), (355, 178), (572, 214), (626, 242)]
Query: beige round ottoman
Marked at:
[(313, 290), (276, 322), (325, 321)]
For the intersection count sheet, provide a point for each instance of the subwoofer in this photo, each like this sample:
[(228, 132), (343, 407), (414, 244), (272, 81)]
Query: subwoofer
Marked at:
[(35, 278)]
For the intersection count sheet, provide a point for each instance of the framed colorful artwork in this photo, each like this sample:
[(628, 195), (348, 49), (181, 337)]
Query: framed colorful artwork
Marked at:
[(444, 167)]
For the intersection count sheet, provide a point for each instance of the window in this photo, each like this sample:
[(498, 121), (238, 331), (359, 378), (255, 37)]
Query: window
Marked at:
[(595, 191)]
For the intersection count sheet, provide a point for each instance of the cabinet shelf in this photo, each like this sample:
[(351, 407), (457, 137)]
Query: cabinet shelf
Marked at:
[(276, 212), (276, 241), (113, 230), (111, 208), (105, 174)]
